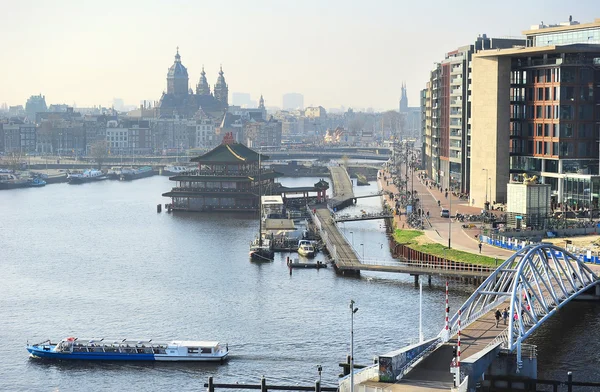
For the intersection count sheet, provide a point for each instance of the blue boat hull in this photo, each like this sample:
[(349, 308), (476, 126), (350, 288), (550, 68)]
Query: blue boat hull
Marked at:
[(87, 356)]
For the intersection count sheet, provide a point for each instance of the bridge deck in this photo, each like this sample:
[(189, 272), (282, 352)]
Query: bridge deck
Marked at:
[(342, 186), (346, 258)]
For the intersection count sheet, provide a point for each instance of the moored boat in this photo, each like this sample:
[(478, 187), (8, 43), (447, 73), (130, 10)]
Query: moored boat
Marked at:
[(90, 175), (11, 181), (306, 248), (130, 350), (36, 182), (114, 173), (129, 174), (261, 250), (173, 170)]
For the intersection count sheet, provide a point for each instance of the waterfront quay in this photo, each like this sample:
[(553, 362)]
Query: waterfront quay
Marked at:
[(345, 258)]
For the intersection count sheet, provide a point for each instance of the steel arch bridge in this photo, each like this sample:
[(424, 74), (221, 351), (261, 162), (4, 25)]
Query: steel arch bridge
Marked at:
[(534, 283)]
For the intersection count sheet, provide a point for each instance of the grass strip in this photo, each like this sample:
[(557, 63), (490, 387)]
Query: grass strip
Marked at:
[(409, 238)]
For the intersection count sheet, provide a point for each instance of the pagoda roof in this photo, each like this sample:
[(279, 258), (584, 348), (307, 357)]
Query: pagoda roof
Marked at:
[(230, 153)]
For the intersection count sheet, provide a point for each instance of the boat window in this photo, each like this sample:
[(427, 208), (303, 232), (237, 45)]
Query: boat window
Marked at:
[(206, 350), (192, 350)]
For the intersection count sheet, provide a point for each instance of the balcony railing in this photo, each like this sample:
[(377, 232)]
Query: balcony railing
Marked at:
[(222, 173)]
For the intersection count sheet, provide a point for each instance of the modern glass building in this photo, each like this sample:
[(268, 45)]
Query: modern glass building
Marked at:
[(546, 113)]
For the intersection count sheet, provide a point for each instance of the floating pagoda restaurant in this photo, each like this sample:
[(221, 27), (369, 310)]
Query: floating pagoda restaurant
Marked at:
[(226, 179)]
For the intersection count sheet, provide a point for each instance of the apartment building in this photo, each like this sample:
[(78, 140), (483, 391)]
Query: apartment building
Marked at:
[(449, 143), (536, 111)]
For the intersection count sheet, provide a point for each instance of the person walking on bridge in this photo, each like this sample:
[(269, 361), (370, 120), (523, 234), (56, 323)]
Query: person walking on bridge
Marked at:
[(505, 315), (497, 315)]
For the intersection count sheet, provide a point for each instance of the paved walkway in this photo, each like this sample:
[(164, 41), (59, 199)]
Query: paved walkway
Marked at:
[(459, 239), (342, 185)]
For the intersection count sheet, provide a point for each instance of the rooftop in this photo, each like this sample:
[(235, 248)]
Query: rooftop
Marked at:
[(537, 50), (567, 26)]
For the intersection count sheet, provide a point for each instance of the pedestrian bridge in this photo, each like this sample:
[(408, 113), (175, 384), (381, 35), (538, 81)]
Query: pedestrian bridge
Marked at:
[(533, 284)]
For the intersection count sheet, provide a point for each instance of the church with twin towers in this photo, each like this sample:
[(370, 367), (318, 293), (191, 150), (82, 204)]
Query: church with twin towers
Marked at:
[(180, 101)]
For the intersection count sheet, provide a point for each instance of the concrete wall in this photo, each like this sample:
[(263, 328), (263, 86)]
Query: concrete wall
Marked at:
[(392, 363), (490, 121)]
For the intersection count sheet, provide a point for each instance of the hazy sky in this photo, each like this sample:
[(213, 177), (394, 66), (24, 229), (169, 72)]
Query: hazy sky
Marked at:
[(351, 53)]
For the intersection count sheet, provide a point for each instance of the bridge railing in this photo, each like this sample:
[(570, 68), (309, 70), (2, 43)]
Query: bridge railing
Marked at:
[(409, 365), (471, 318), (432, 265), (324, 236)]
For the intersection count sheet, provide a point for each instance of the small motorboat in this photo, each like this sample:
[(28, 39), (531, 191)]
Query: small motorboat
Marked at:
[(306, 248)]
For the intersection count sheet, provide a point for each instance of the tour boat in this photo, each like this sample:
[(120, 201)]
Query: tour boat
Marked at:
[(306, 248), (130, 350), (87, 176)]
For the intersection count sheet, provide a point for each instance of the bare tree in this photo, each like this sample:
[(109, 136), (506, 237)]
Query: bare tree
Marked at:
[(12, 160), (99, 151)]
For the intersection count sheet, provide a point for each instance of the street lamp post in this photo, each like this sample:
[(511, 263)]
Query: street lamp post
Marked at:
[(352, 234), (450, 218), (352, 311), (486, 185), (363, 250)]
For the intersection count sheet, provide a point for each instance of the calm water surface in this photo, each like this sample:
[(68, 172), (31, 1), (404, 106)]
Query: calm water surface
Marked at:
[(96, 260)]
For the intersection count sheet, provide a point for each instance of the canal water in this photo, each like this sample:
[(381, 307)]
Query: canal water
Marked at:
[(96, 260)]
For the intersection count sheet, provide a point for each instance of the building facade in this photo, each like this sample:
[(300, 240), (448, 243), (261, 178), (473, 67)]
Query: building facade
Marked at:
[(536, 111), (449, 145), (179, 101), (227, 179)]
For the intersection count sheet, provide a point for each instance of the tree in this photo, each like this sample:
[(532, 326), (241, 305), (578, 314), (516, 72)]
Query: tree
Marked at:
[(99, 151), (13, 160)]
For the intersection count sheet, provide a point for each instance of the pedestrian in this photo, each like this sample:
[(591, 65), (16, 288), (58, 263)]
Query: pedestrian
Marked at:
[(497, 315), (505, 315), (516, 316), (480, 248)]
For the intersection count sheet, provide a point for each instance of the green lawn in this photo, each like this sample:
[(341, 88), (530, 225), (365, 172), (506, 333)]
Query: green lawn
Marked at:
[(407, 237)]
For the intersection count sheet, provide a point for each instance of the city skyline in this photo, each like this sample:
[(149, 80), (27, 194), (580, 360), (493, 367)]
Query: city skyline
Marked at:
[(336, 64)]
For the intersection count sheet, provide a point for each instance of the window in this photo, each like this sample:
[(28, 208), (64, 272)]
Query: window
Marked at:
[(547, 148), (566, 130), (530, 94), (555, 95), (540, 94), (585, 112), (530, 129), (539, 112), (568, 93), (555, 152), (548, 111), (539, 148), (568, 75), (586, 131), (547, 96), (546, 130), (586, 75), (538, 130), (586, 93), (566, 112), (566, 149)]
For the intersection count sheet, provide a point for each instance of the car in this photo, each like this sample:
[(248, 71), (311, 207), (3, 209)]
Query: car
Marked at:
[(445, 213)]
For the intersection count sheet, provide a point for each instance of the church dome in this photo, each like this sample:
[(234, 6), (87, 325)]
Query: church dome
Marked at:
[(177, 70)]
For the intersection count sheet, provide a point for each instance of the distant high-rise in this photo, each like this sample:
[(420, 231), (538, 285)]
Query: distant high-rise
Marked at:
[(293, 101), (35, 104)]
